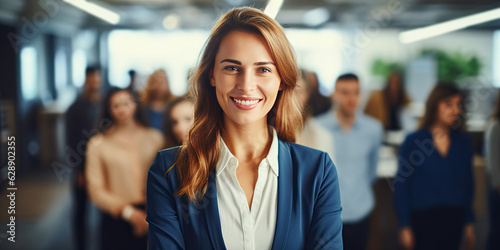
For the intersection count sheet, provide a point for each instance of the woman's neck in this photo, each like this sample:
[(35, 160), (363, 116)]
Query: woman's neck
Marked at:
[(126, 126), (247, 142), (158, 104), (440, 130)]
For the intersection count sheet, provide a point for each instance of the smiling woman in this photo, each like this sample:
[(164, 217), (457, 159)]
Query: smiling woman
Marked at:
[(246, 89), (239, 182)]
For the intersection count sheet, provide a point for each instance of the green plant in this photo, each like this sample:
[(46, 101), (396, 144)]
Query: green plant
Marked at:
[(454, 66), (385, 68)]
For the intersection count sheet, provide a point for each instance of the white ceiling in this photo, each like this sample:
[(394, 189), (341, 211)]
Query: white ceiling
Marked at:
[(149, 14)]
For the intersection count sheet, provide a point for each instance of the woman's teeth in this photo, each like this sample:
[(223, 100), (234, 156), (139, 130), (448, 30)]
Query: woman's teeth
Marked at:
[(243, 102)]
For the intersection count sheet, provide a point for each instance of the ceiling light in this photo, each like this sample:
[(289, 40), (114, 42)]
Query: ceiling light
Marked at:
[(316, 17), (96, 10), (273, 7), (448, 26), (171, 22)]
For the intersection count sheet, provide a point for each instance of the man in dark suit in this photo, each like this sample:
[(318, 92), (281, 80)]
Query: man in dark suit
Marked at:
[(81, 119)]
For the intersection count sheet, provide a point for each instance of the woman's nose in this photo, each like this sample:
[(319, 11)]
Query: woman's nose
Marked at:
[(246, 82)]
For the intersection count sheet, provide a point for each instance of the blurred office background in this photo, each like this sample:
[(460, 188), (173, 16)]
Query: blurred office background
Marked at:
[(45, 46)]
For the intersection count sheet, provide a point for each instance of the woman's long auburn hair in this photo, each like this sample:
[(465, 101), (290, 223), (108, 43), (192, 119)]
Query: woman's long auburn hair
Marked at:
[(442, 91), (197, 159)]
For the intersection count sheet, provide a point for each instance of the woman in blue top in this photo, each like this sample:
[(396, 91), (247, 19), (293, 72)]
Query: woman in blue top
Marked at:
[(239, 182), (492, 147), (434, 185)]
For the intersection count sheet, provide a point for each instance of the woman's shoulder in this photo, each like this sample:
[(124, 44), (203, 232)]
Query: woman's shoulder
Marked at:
[(168, 156), (97, 140), (151, 132), (153, 135), (463, 138), (299, 148), (164, 163), (170, 153), (305, 155), (163, 173), (416, 139), (309, 165), (419, 133), (376, 95)]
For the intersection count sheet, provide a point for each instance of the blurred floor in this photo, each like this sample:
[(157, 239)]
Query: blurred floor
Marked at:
[(43, 216), (384, 227)]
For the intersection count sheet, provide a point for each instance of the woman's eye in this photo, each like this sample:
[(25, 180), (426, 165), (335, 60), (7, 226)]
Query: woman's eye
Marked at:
[(231, 68), (264, 70)]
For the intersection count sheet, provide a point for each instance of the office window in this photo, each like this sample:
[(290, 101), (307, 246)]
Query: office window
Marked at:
[(146, 51), (29, 72), (496, 59), (318, 51), (79, 63)]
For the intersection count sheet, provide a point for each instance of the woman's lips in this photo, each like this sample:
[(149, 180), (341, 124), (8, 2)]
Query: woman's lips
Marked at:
[(245, 103)]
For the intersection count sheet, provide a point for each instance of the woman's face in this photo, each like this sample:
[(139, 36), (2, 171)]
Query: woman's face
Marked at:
[(245, 78), (182, 118), (122, 106), (449, 110)]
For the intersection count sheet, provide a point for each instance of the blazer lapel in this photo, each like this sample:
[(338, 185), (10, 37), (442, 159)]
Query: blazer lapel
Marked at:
[(211, 211), (285, 188)]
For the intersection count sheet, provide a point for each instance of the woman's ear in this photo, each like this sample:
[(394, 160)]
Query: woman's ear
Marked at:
[(281, 86), (212, 80)]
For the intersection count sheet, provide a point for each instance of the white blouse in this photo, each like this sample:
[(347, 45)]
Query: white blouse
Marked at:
[(244, 228)]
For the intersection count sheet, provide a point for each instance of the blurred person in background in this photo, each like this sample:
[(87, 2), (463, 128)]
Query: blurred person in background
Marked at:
[(81, 119), (357, 140), (492, 153), (434, 184), (312, 134), (388, 105), (317, 103), (133, 81), (116, 170), (179, 117), (155, 97)]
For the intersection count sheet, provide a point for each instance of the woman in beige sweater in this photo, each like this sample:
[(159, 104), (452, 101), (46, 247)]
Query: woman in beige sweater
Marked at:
[(117, 163)]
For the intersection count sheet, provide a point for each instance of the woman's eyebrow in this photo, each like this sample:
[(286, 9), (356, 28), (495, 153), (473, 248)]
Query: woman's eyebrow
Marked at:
[(239, 63), (263, 63), (231, 61)]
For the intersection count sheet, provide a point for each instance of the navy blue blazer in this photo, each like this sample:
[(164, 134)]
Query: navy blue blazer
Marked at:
[(308, 213)]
